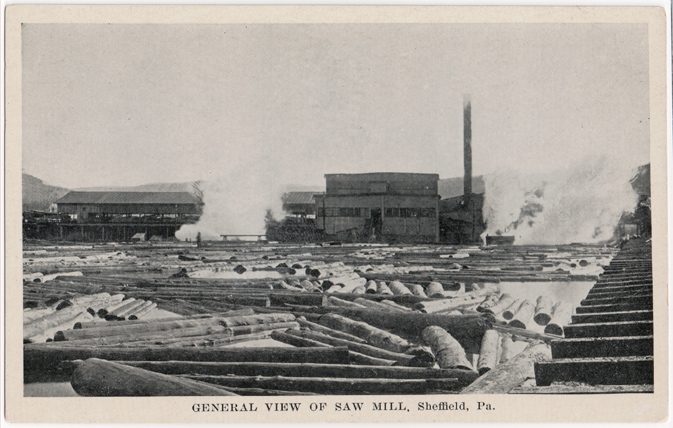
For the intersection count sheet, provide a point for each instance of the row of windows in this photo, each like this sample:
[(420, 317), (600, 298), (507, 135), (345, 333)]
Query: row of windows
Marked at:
[(365, 212), (410, 212)]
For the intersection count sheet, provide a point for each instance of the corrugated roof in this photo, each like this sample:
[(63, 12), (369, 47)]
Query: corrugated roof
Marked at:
[(292, 198), (175, 198)]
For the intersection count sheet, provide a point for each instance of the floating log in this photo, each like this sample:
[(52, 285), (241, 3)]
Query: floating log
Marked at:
[(561, 317), (449, 353), (298, 341), (389, 304), (255, 319), (416, 290), (464, 377), (523, 315), (374, 336), (488, 303), (505, 302), (34, 314), (143, 312), (49, 333), (367, 360), (333, 386), (45, 358), (488, 352), (52, 320), (434, 289), (371, 287), (398, 288), (120, 312), (511, 374), (404, 359), (543, 310), (102, 312), (509, 312), (443, 305), (335, 301), (99, 378), (328, 331), (351, 285), (467, 329), (382, 288), (520, 333)]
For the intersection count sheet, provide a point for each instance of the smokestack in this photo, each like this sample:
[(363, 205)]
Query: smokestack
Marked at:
[(467, 148)]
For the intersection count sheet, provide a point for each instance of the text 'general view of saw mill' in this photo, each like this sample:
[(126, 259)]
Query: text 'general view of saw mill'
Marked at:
[(380, 283)]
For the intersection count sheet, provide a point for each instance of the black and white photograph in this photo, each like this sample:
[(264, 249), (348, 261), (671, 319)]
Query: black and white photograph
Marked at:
[(386, 217)]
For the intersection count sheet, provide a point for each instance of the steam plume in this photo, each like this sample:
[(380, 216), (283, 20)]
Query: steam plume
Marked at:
[(579, 204)]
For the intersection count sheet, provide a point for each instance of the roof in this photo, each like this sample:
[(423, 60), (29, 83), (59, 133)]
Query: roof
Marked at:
[(384, 176), (298, 198), (173, 198)]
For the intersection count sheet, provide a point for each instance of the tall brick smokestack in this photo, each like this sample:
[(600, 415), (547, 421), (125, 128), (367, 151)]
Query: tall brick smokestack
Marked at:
[(467, 149)]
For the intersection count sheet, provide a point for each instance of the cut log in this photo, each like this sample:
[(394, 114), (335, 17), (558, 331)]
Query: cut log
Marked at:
[(467, 329), (102, 312), (143, 312), (561, 317), (45, 358), (382, 288), (135, 329), (398, 288), (522, 334), (443, 305), (335, 301), (120, 312), (507, 376), (33, 314), (543, 310), (434, 289), (509, 312), (371, 287), (506, 348), (404, 359), (416, 290), (449, 353), (488, 303), (523, 315), (373, 336), (351, 285), (52, 320), (69, 324), (488, 353), (333, 386), (367, 360), (465, 377), (298, 341), (505, 302), (389, 304), (99, 378), (328, 331)]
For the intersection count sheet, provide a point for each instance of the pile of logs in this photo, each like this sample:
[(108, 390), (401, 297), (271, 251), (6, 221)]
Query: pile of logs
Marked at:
[(320, 327)]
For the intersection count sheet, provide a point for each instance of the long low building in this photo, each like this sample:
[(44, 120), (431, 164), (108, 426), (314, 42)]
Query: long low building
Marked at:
[(391, 207), (92, 206)]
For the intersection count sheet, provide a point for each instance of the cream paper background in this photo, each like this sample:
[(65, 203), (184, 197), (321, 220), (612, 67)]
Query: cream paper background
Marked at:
[(508, 408)]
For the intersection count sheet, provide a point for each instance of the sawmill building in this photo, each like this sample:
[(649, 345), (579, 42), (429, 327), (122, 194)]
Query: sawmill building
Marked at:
[(390, 207)]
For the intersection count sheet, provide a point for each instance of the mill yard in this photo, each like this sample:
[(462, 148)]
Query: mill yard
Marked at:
[(264, 318)]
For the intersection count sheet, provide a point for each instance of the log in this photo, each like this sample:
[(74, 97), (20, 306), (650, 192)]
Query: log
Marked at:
[(208, 340), (360, 289), (147, 304), (543, 310), (523, 315), (256, 319), (328, 331), (135, 329), (465, 377), (351, 285), (374, 304), (335, 301), (507, 376), (505, 302), (34, 314), (398, 288), (561, 317), (333, 386), (99, 378), (488, 353), (489, 302), (47, 322), (367, 360), (298, 341), (449, 353), (404, 359), (373, 336), (506, 348), (45, 358), (434, 289), (416, 290), (307, 285), (389, 304), (309, 299), (102, 312), (509, 312), (371, 287), (519, 333), (467, 329), (48, 335), (234, 299), (255, 328), (382, 288), (143, 313), (120, 312)]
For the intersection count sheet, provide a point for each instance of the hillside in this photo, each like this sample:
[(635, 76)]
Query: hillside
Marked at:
[(37, 195)]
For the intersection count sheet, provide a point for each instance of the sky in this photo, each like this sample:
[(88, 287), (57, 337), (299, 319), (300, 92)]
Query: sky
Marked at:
[(123, 105)]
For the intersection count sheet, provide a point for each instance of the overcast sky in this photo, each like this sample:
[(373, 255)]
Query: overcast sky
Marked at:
[(136, 104)]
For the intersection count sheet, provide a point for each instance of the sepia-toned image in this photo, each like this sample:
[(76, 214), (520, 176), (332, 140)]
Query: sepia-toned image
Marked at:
[(330, 216)]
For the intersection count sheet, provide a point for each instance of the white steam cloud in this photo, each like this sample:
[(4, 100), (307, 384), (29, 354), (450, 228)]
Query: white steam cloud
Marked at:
[(581, 204), (236, 204)]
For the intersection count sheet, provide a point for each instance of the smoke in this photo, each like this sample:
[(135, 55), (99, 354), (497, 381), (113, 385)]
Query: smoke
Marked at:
[(580, 204), (236, 204)]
